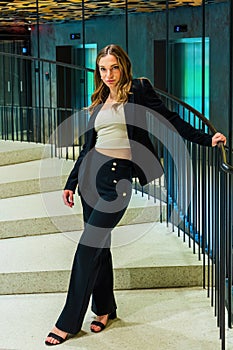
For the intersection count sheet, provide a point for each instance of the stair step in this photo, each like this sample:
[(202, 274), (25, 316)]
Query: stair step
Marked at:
[(164, 319), (144, 256), (14, 152), (45, 213), (39, 233), (49, 174)]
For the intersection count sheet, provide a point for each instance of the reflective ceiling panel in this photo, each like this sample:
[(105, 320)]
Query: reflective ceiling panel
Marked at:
[(20, 12)]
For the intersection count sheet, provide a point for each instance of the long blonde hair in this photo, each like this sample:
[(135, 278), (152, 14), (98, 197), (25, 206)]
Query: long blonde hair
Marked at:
[(101, 90)]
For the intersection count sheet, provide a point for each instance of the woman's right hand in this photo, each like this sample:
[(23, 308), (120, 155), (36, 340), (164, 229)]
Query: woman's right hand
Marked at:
[(68, 198)]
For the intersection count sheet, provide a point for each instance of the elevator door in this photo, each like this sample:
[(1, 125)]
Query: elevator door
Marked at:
[(15, 90), (15, 75), (74, 90), (186, 72), (75, 87)]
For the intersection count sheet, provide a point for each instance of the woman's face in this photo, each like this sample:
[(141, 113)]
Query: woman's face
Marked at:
[(109, 71)]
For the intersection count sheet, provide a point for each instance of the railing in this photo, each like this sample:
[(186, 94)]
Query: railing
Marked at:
[(207, 219), (44, 104), (36, 95)]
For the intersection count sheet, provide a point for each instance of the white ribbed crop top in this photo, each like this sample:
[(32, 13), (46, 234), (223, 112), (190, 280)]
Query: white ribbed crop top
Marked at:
[(111, 128)]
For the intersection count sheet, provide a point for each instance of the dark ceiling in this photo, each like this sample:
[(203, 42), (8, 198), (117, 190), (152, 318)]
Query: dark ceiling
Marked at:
[(19, 12)]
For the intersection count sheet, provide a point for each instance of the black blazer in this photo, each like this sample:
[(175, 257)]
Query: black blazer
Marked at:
[(147, 166)]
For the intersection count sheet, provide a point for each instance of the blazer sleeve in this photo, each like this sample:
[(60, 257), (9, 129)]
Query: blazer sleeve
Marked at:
[(72, 180), (151, 100), (89, 143), (90, 139)]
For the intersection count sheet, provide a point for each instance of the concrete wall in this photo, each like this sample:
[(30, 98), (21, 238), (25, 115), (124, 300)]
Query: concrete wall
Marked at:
[(143, 30)]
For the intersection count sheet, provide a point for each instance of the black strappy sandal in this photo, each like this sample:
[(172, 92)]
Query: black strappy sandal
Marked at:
[(111, 316), (57, 337)]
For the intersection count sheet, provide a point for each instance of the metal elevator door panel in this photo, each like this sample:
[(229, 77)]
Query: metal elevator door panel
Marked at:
[(14, 75), (15, 90), (182, 74), (187, 70), (74, 90)]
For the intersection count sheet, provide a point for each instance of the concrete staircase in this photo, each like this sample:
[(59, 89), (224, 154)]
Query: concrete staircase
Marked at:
[(38, 237), (39, 234)]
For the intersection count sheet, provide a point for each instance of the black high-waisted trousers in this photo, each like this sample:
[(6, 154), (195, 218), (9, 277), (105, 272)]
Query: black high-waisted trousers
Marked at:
[(105, 196)]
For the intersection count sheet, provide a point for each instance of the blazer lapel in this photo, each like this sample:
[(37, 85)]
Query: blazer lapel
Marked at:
[(129, 109)]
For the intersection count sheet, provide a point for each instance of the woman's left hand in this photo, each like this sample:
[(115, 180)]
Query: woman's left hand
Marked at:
[(218, 137)]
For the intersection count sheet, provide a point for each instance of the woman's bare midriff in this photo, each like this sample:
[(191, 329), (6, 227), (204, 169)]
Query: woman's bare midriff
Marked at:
[(123, 153)]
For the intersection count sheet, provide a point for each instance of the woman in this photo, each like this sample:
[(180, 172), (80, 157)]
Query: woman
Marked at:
[(113, 153)]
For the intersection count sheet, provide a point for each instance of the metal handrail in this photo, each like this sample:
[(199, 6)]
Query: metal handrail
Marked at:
[(44, 60), (212, 195), (225, 166)]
